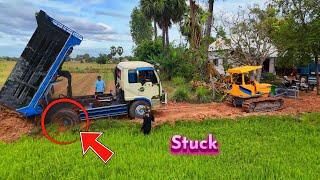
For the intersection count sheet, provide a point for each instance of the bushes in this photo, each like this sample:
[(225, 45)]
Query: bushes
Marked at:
[(184, 94), (178, 81), (173, 61), (181, 94), (146, 50), (203, 95), (268, 78)]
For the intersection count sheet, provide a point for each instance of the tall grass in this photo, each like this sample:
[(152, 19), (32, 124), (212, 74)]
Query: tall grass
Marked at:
[(105, 70), (77, 67), (251, 148), (5, 70)]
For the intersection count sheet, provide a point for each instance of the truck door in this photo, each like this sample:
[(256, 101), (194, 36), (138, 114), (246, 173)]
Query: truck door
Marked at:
[(133, 85), (149, 83)]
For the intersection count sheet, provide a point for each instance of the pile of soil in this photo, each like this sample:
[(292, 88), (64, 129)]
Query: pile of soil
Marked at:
[(12, 125)]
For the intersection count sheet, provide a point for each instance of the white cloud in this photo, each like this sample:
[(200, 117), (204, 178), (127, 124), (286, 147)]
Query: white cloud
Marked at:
[(17, 23), (71, 7), (112, 13)]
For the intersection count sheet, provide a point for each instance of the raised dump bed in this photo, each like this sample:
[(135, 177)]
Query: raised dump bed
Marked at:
[(37, 66)]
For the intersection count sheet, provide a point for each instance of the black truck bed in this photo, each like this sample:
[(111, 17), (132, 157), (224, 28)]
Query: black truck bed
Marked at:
[(34, 63)]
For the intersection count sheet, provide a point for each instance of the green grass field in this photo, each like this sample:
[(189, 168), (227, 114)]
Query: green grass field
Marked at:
[(105, 70), (5, 70), (251, 148)]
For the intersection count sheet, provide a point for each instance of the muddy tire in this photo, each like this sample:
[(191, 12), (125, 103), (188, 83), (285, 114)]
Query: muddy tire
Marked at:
[(136, 109), (65, 117)]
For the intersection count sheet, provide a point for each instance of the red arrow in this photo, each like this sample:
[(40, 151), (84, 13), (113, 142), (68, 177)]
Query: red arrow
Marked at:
[(89, 140)]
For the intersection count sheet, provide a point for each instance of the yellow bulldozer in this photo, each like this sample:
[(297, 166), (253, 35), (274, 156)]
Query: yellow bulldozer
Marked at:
[(248, 93)]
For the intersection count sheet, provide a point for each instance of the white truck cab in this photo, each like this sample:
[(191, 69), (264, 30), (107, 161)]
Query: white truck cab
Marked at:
[(138, 83)]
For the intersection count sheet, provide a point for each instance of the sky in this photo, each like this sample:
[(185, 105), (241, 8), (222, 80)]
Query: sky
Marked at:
[(103, 23)]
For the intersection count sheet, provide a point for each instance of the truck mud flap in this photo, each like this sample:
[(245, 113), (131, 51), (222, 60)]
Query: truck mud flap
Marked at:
[(34, 63)]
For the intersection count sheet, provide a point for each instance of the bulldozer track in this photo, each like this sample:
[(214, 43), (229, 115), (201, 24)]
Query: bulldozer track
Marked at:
[(267, 104)]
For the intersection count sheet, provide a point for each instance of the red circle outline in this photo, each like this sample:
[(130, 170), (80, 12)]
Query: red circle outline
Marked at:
[(44, 113)]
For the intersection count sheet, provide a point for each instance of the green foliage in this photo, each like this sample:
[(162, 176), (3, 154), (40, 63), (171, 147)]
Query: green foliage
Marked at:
[(176, 61), (165, 13), (140, 27), (7, 58), (255, 147), (152, 10), (251, 27), (147, 49), (102, 59), (204, 95), (268, 78), (296, 32), (178, 81), (120, 50), (181, 94), (113, 50), (200, 20), (5, 69)]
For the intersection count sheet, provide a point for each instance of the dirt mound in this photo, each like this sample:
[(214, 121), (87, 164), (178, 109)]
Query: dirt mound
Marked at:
[(12, 125), (307, 102)]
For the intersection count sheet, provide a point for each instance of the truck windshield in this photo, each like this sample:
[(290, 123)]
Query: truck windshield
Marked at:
[(148, 76)]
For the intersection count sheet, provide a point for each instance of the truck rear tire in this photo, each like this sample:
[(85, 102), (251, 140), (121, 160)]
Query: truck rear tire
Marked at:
[(136, 109), (65, 117)]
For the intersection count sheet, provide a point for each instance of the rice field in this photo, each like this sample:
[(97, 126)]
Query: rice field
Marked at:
[(251, 148), (5, 70)]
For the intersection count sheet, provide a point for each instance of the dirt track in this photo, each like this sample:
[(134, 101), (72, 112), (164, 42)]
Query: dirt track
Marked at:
[(12, 126), (308, 102), (82, 84)]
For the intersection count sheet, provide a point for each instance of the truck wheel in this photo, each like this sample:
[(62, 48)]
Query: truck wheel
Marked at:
[(137, 109), (65, 117)]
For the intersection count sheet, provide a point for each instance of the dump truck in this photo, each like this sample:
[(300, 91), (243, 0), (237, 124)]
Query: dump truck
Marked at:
[(248, 93), (28, 89)]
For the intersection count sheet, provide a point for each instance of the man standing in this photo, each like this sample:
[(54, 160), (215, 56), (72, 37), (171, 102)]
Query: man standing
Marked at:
[(100, 86)]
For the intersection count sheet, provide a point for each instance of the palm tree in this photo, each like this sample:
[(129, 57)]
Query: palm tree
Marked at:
[(120, 50), (113, 50), (165, 13), (172, 12), (151, 9)]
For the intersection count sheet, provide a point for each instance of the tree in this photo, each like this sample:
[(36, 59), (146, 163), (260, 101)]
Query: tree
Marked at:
[(140, 26), (102, 59), (207, 43), (210, 18), (195, 25), (151, 9), (171, 11), (120, 50), (297, 32), (113, 51), (86, 57), (247, 39), (148, 49)]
